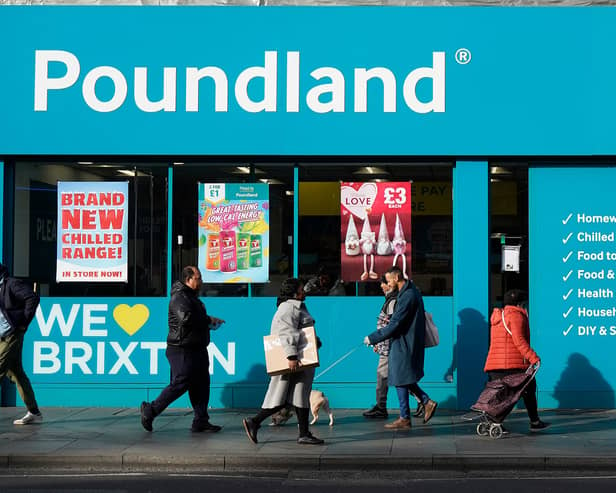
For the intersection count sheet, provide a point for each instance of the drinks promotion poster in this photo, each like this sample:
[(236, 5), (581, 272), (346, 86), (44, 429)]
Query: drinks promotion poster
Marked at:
[(234, 232), (92, 231), (375, 229)]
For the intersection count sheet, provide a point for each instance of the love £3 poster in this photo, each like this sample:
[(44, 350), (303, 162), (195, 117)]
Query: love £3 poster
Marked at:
[(375, 231)]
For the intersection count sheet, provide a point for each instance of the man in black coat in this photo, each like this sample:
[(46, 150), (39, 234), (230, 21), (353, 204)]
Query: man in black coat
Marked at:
[(189, 336), (18, 304)]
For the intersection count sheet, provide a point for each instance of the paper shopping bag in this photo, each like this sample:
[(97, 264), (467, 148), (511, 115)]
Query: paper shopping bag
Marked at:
[(275, 359)]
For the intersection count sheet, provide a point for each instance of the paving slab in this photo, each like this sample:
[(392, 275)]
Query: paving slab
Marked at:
[(113, 439)]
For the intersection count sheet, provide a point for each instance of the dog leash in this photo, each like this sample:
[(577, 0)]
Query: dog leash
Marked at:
[(338, 361)]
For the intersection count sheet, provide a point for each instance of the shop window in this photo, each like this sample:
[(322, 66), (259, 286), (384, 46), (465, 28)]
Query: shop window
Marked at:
[(278, 177), (319, 225), (508, 229), (34, 226)]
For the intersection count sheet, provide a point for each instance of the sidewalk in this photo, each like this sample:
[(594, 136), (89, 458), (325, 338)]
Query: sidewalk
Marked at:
[(107, 439)]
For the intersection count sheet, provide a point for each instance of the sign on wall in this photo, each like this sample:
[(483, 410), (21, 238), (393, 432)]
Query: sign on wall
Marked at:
[(375, 229), (426, 81), (573, 283), (234, 232), (92, 232)]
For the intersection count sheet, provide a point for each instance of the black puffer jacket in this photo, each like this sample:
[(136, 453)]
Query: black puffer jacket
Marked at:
[(189, 323), (17, 301)]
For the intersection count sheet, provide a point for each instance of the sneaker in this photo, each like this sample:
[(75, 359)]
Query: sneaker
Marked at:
[(310, 439), (399, 424), (429, 408), (251, 429), (376, 413), (420, 410), (147, 416), (29, 419), (206, 427), (538, 425)]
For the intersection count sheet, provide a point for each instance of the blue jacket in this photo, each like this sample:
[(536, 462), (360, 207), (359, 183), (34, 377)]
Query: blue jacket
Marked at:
[(407, 331)]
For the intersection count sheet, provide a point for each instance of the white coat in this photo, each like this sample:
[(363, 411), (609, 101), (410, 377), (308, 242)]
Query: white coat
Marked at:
[(291, 388)]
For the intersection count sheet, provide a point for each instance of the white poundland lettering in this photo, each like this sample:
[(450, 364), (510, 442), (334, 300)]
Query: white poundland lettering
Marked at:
[(595, 237), (585, 274), (587, 330), (596, 312), (581, 255), (595, 293), (583, 218), (111, 358), (327, 96)]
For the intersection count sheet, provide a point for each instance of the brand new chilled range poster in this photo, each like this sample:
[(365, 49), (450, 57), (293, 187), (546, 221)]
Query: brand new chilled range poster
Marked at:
[(92, 232), (375, 229), (234, 232)]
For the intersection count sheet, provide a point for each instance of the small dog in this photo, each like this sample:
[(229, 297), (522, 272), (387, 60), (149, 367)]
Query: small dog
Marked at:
[(318, 401)]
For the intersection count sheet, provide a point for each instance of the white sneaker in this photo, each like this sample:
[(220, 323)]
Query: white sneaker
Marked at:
[(29, 419)]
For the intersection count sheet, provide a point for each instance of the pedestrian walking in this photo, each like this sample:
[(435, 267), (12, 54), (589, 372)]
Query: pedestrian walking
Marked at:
[(18, 304), (406, 331), (510, 351), (292, 388), (189, 336)]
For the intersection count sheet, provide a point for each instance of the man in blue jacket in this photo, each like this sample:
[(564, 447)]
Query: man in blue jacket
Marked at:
[(18, 304), (406, 331), (189, 336)]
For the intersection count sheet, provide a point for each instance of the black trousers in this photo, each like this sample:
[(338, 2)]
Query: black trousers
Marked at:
[(189, 372), (529, 395)]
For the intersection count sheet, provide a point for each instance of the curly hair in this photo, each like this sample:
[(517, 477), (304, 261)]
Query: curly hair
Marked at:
[(288, 289)]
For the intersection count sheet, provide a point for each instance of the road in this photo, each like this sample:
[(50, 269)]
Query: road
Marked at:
[(322, 483)]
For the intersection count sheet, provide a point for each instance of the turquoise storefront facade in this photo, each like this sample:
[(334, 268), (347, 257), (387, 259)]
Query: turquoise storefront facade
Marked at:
[(469, 85)]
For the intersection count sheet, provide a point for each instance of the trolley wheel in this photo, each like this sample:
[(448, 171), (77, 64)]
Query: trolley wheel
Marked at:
[(496, 431), (483, 429)]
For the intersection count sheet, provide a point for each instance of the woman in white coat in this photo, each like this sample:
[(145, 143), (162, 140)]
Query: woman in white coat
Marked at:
[(291, 388)]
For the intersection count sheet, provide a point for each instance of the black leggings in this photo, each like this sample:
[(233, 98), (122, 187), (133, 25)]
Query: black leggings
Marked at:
[(529, 395), (301, 412)]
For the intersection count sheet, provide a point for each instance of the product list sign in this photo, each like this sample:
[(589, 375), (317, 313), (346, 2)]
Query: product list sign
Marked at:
[(574, 246), (588, 279), (573, 272), (92, 232)]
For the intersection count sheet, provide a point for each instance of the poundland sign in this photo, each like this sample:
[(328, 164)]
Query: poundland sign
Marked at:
[(246, 81), (320, 97)]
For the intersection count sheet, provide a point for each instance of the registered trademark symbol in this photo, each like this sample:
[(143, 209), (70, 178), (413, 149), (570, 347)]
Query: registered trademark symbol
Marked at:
[(463, 56)]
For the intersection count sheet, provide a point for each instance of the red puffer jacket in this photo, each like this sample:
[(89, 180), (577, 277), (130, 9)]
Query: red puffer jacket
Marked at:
[(509, 352)]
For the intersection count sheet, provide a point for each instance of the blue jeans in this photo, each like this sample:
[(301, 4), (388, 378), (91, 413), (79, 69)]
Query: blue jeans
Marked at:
[(403, 398)]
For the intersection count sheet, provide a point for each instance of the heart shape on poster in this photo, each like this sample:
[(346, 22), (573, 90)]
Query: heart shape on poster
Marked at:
[(357, 201), (131, 318)]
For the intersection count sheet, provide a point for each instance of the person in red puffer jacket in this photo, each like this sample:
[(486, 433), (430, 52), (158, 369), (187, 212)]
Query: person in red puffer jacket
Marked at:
[(510, 351)]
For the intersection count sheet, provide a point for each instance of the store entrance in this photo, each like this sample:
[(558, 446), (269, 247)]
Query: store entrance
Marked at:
[(508, 229)]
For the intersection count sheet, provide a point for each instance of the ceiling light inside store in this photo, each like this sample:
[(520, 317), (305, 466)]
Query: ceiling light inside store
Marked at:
[(126, 172), (288, 193), (370, 170), (499, 170), (85, 162), (271, 181), (178, 163), (245, 170)]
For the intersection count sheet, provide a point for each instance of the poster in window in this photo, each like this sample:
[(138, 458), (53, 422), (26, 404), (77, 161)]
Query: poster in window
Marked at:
[(93, 232), (375, 229), (234, 232)]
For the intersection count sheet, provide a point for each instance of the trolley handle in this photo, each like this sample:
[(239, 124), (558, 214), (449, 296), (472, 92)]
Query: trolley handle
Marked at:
[(532, 369)]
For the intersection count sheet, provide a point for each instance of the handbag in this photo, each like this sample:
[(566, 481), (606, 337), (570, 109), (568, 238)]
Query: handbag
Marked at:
[(431, 338)]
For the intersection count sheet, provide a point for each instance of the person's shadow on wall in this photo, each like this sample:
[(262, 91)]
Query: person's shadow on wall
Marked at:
[(247, 393), (470, 355), (580, 376)]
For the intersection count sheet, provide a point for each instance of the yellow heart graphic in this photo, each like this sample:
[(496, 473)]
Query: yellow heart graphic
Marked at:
[(131, 318)]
